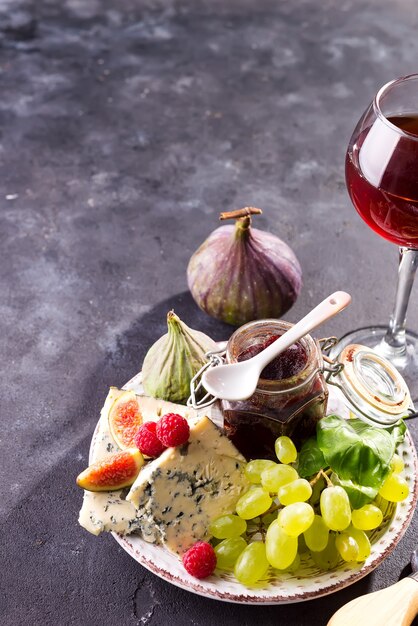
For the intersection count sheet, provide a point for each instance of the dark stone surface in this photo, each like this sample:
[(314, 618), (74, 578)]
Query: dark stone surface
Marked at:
[(125, 127)]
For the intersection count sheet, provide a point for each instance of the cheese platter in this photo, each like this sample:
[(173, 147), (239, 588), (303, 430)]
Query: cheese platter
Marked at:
[(276, 587)]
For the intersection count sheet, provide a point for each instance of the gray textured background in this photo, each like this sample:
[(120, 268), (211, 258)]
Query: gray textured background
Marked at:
[(125, 128)]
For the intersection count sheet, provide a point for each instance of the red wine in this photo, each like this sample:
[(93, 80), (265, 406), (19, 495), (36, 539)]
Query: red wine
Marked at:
[(382, 178)]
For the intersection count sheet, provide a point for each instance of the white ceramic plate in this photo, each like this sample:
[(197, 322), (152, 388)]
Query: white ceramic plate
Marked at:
[(279, 588)]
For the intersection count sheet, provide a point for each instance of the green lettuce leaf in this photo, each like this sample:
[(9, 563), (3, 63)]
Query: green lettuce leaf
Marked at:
[(398, 431), (358, 495), (355, 450), (310, 458)]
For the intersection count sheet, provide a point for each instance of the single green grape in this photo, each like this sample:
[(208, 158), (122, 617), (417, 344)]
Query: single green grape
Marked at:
[(285, 450), (397, 465), (296, 518), (228, 551), (329, 557), (294, 566), (251, 564), (367, 517), (227, 526), (275, 477), (281, 549), (302, 547), (298, 490), (362, 541), (316, 536), (335, 508), (347, 546), (254, 469), (253, 503), (394, 489)]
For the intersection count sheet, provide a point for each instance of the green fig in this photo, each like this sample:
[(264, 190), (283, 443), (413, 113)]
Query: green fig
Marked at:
[(173, 360)]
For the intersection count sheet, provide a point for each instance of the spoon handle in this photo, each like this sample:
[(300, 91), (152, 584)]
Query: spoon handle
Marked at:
[(329, 307), (396, 605)]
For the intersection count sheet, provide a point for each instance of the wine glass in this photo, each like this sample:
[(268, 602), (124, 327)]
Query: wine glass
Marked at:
[(382, 180)]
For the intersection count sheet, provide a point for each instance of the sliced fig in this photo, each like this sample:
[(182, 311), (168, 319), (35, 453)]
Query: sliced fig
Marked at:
[(114, 472), (125, 419)]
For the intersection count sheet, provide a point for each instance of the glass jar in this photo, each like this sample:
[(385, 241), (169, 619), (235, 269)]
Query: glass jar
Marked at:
[(369, 386), (288, 406)]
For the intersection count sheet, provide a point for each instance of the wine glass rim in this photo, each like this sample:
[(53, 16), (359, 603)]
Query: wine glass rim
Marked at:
[(378, 110)]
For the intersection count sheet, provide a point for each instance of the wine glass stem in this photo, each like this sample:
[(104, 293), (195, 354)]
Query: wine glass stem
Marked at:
[(395, 340)]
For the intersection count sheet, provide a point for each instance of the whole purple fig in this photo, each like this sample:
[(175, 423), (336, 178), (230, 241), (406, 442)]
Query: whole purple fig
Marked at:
[(241, 273)]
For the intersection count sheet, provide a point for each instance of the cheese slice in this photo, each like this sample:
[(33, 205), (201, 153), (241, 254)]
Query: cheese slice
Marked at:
[(154, 408), (110, 511), (179, 494)]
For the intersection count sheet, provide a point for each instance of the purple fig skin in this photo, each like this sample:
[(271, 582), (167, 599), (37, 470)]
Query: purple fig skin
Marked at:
[(241, 274)]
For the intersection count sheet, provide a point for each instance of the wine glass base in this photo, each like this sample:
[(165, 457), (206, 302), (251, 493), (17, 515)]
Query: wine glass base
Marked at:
[(406, 362)]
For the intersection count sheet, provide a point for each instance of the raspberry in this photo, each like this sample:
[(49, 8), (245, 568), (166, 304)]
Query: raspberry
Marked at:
[(147, 441), (173, 430), (200, 560)]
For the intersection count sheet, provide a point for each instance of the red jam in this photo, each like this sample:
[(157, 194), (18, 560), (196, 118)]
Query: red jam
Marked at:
[(290, 398), (287, 364)]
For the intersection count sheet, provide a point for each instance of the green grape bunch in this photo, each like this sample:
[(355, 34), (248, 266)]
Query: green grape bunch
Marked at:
[(284, 514)]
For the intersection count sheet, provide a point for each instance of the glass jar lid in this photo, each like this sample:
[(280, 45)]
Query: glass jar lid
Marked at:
[(372, 385)]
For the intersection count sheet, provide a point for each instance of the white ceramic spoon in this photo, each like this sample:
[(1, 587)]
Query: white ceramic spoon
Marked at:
[(238, 381)]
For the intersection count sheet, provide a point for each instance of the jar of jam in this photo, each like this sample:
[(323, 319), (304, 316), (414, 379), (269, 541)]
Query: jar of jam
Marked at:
[(291, 395)]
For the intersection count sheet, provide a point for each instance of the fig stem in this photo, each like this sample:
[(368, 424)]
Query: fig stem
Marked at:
[(172, 319), (245, 212)]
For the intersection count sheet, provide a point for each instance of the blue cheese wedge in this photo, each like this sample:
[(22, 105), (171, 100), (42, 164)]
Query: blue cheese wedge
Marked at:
[(179, 494), (110, 511)]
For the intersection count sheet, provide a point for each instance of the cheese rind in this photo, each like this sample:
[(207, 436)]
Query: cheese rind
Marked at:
[(179, 494), (154, 408)]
